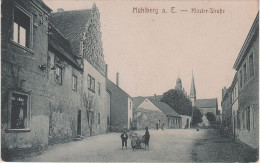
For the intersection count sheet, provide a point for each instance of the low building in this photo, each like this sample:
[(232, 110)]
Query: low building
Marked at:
[(150, 113), (121, 107), (247, 67), (185, 121)]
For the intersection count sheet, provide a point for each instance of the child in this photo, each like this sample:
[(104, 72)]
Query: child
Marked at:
[(124, 138)]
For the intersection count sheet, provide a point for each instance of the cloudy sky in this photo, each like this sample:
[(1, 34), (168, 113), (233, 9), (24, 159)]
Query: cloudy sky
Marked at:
[(150, 50)]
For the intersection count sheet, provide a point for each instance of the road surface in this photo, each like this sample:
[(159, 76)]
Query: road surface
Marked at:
[(176, 145)]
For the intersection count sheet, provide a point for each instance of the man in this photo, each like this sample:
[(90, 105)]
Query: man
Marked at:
[(124, 138)]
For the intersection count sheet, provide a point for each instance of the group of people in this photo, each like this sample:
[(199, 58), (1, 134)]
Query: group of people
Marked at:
[(124, 137)]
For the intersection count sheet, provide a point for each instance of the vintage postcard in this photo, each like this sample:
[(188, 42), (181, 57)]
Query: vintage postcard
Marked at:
[(130, 81)]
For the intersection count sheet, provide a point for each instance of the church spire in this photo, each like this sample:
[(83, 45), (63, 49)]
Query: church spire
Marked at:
[(192, 88), (193, 91)]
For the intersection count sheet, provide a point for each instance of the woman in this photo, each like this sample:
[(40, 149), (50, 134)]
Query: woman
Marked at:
[(146, 138)]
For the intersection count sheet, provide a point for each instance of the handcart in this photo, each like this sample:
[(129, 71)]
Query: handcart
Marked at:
[(137, 141)]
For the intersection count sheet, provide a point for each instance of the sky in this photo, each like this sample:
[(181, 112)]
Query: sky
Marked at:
[(151, 50)]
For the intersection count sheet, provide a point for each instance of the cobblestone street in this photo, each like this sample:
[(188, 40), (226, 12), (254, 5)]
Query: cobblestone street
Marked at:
[(165, 146)]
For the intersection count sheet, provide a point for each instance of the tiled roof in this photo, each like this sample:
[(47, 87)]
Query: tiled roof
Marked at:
[(137, 101), (166, 109), (253, 31), (113, 87), (61, 44), (71, 24), (206, 103), (140, 98)]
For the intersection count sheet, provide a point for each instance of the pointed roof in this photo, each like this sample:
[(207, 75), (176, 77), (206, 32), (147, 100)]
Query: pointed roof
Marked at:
[(72, 25), (207, 103), (166, 109), (192, 88)]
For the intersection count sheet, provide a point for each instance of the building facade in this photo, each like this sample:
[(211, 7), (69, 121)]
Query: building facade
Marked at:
[(234, 101), (152, 113), (226, 105), (53, 77), (25, 119), (247, 67), (121, 106)]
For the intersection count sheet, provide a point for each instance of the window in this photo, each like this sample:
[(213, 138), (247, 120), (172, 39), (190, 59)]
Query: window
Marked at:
[(91, 83), (21, 28), (81, 47), (99, 88), (235, 92), (107, 120), (243, 119), (241, 79), (251, 66), (238, 120), (245, 73), (98, 118), (59, 74), (74, 83), (248, 118), (254, 117), (19, 110)]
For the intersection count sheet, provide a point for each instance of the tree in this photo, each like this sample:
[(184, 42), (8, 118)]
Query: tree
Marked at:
[(211, 117), (197, 116), (178, 102), (90, 105)]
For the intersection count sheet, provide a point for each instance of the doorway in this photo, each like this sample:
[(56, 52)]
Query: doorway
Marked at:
[(79, 123)]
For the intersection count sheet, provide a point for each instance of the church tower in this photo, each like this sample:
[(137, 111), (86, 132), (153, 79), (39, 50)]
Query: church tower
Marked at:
[(178, 85), (192, 91)]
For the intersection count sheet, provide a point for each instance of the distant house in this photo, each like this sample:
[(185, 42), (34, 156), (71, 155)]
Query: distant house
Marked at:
[(150, 112), (226, 105), (121, 107), (207, 105), (205, 122)]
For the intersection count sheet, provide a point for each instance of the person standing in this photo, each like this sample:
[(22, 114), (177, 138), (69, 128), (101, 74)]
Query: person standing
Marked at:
[(162, 126), (146, 138), (124, 138)]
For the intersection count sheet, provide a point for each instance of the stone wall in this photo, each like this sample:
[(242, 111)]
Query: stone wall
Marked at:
[(63, 102), (148, 118)]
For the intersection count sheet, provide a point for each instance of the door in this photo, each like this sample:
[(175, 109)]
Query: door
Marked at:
[(79, 123), (187, 124)]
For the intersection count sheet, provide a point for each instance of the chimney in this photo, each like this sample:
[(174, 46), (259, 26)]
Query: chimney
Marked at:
[(117, 79), (154, 96), (106, 70), (60, 10)]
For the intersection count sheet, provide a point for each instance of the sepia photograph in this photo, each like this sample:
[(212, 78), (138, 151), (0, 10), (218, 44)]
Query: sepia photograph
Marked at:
[(129, 80)]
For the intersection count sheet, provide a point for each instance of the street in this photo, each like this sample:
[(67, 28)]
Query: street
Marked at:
[(176, 145)]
